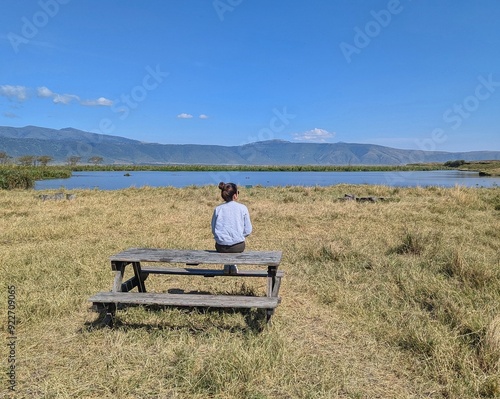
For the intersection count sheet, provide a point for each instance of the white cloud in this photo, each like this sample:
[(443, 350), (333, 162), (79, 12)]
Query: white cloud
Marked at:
[(44, 92), (184, 116), (203, 116), (20, 93), (100, 101), (315, 134), (64, 98)]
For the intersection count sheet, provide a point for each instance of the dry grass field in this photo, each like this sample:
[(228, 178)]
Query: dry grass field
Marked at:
[(393, 299)]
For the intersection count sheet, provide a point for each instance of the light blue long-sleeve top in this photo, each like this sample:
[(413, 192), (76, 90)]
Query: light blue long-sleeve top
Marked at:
[(231, 223)]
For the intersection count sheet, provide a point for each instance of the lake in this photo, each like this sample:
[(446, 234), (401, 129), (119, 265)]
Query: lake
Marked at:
[(119, 180)]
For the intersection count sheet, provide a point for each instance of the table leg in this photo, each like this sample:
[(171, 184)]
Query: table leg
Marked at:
[(271, 281), (138, 275)]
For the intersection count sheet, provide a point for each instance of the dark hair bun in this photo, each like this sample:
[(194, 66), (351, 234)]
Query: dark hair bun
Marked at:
[(229, 190)]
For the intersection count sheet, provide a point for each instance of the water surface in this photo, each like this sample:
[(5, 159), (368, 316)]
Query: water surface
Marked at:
[(120, 180)]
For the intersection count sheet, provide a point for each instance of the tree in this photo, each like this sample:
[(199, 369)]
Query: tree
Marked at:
[(96, 160), (4, 158), (73, 160), (27, 160), (44, 160)]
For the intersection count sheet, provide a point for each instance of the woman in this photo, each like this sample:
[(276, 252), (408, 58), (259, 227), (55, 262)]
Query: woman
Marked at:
[(230, 223)]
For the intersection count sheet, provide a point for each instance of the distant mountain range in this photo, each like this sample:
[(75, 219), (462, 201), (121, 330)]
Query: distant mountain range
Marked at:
[(64, 143)]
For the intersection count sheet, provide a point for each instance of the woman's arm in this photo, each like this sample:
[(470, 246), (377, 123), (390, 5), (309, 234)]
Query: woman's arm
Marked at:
[(247, 224)]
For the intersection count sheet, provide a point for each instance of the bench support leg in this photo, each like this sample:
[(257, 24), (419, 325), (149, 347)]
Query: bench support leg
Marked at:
[(276, 287), (269, 313), (273, 282), (107, 311)]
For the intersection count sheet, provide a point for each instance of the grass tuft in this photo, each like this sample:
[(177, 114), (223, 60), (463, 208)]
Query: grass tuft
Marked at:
[(490, 349), (412, 243)]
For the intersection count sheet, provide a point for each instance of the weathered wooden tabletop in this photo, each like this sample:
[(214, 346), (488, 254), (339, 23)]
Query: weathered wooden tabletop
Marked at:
[(265, 258)]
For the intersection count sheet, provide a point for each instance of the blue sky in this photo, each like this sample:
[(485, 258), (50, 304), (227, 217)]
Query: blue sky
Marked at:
[(412, 74)]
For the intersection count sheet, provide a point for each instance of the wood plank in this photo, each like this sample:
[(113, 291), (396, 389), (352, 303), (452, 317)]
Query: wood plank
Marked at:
[(131, 283), (206, 272), (194, 257), (117, 282), (215, 301)]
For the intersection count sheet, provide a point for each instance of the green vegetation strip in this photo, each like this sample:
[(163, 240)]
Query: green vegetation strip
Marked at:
[(261, 168)]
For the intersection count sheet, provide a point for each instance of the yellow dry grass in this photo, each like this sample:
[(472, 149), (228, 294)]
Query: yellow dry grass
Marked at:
[(393, 299)]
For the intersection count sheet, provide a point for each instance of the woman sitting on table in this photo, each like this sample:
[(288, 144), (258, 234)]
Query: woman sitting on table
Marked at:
[(230, 223)]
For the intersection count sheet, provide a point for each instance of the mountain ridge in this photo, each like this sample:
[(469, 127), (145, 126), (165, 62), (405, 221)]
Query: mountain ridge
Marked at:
[(67, 142)]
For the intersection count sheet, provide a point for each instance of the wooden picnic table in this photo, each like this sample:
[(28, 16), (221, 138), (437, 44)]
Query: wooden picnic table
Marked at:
[(144, 262)]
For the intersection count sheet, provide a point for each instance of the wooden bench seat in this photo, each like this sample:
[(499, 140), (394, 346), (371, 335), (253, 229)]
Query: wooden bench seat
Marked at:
[(206, 272), (213, 301)]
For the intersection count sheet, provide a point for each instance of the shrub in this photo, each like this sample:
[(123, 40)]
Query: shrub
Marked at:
[(15, 178), (454, 164), (12, 177)]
